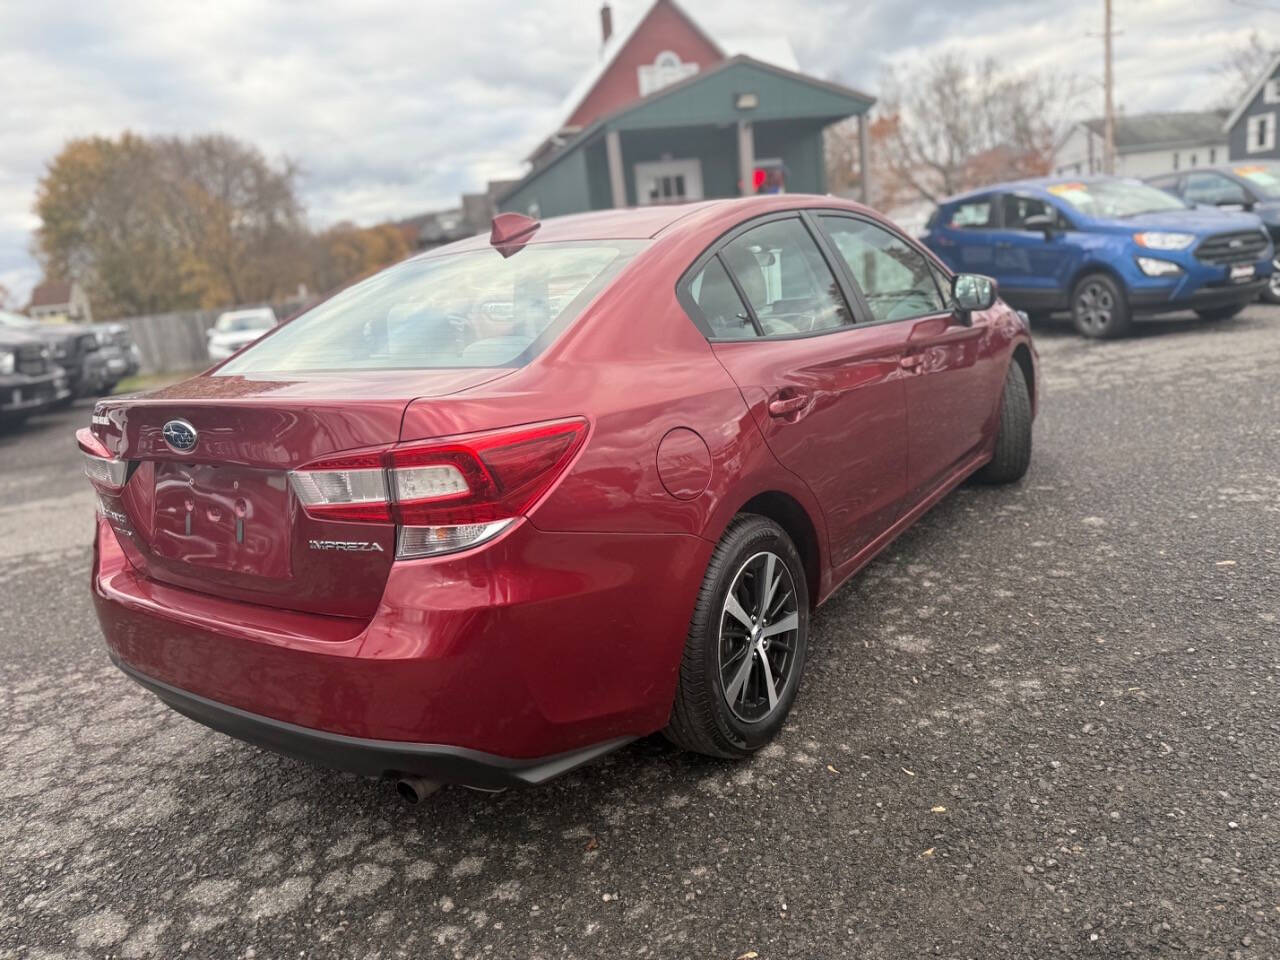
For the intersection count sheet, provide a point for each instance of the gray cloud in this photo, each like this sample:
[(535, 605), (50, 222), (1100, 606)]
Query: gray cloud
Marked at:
[(394, 108)]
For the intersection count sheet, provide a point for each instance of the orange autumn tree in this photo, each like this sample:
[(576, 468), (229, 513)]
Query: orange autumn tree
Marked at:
[(155, 224)]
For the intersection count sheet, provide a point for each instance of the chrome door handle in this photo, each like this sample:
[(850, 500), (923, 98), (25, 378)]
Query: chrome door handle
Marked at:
[(785, 406)]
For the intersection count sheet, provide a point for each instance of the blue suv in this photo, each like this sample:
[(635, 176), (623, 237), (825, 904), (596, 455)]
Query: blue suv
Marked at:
[(1104, 248)]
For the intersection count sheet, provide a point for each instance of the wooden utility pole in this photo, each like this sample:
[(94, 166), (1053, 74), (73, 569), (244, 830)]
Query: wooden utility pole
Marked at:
[(1109, 116)]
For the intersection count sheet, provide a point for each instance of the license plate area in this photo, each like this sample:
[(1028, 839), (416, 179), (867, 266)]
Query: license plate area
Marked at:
[(223, 518), (1240, 272)]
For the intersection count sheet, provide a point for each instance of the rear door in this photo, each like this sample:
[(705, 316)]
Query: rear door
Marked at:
[(947, 389), (826, 392), (963, 235)]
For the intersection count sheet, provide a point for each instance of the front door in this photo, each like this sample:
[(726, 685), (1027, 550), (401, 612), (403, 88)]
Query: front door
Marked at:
[(948, 393), (668, 181), (1032, 266), (826, 393)]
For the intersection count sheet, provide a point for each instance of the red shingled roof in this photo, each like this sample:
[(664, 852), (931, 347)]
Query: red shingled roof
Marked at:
[(50, 293)]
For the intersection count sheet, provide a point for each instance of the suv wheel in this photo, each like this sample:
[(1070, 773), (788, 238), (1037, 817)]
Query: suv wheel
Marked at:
[(746, 646), (1099, 308), (1271, 294)]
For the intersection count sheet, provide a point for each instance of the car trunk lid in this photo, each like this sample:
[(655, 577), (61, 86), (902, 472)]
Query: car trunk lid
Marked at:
[(221, 518)]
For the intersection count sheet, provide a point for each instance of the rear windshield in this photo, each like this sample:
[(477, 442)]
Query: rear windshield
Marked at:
[(474, 309)]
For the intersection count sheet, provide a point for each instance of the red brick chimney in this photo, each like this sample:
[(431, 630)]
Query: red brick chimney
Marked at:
[(606, 23)]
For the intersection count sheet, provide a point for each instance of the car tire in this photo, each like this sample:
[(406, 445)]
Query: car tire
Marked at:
[(1013, 440), (725, 706), (1271, 292), (1220, 313), (1099, 308)]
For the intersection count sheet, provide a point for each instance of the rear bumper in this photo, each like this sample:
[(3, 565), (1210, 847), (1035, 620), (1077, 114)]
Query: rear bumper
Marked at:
[(507, 664), (371, 758)]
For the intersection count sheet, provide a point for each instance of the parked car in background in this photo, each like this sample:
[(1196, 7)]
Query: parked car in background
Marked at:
[(117, 338), (76, 349), (30, 381), (1104, 248), (391, 535), (238, 328), (1254, 187)]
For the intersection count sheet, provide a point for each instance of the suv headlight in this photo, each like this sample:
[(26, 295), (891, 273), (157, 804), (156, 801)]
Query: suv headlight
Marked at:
[(7, 363), (1158, 240)]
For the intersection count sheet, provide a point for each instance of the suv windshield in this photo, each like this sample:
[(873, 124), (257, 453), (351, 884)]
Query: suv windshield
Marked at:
[(1114, 198), (1263, 178), (474, 309)]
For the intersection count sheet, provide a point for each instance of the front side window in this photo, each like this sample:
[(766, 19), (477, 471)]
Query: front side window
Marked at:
[(785, 279), (943, 280), (473, 309), (1017, 209), (896, 279)]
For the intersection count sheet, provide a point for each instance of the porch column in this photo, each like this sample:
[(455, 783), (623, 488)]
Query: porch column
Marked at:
[(617, 176), (747, 157), (864, 157)]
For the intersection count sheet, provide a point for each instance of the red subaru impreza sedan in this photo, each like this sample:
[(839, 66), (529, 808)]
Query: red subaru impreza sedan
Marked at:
[(510, 504)]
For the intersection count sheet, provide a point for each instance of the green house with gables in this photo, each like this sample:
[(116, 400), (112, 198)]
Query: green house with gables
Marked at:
[(668, 118)]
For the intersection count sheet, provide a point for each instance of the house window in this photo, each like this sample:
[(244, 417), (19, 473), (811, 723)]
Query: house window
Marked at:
[(1271, 91), (1192, 163), (667, 68), (1213, 155), (1260, 133), (1175, 161)]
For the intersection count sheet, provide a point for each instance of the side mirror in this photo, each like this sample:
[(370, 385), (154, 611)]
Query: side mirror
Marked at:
[(972, 291), (1042, 222)]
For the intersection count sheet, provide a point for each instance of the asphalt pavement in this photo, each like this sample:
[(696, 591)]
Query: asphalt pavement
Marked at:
[(1042, 724)]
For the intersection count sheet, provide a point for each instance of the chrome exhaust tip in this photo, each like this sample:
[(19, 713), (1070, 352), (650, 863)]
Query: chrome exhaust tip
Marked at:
[(414, 790)]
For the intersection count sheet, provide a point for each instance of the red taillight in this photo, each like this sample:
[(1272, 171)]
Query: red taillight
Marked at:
[(104, 470), (481, 478), (349, 487), (445, 494)]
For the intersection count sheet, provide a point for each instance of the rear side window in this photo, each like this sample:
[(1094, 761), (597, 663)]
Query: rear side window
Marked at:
[(473, 309), (896, 279), (787, 283), (972, 215), (713, 292)]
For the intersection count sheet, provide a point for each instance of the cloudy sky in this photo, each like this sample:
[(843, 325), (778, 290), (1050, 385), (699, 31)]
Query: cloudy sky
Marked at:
[(395, 108)]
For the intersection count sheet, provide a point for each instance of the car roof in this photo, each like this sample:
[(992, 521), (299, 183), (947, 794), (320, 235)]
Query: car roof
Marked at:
[(649, 223), (1031, 183)]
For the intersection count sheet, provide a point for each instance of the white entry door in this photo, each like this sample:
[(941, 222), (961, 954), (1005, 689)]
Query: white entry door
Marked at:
[(668, 181)]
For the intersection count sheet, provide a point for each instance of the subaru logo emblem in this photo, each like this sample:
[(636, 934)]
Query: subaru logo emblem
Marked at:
[(180, 436)]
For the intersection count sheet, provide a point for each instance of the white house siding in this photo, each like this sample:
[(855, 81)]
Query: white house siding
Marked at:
[(1073, 156)]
